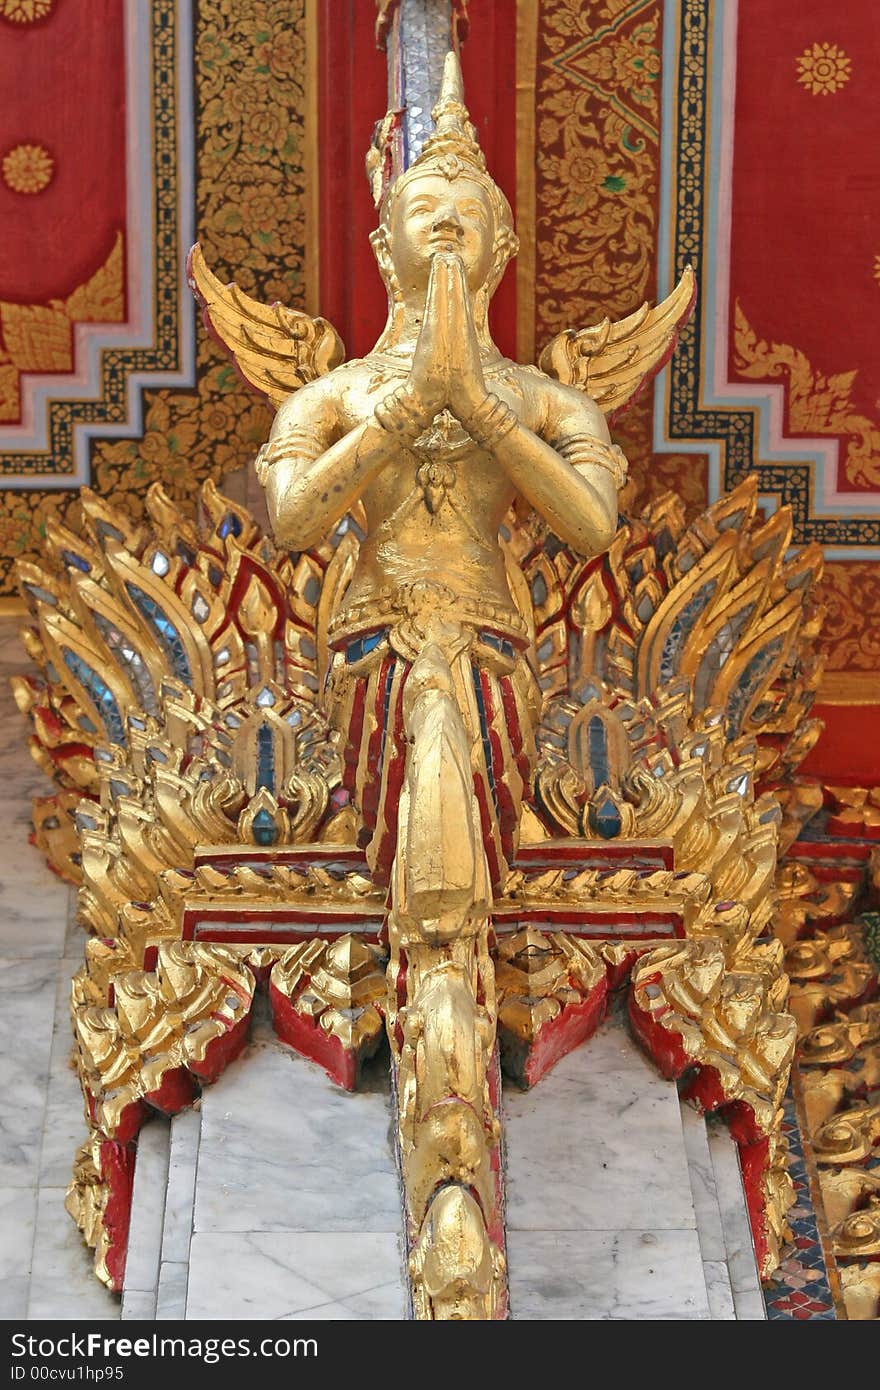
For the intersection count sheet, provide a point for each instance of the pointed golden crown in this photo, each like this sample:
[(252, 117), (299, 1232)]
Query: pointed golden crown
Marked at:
[(452, 147), (454, 137)]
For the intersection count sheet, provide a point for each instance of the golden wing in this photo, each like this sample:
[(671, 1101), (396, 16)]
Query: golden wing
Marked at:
[(613, 362), (275, 349)]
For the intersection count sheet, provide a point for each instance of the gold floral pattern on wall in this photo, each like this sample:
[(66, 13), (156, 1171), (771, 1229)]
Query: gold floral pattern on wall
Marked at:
[(597, 122)]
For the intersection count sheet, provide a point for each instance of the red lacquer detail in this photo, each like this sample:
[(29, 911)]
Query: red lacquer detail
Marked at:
[(487, 826), (526, 1063), (665, 1048), (130, 1121), (507, 811), (511, 717), (563, 1034), (308, 1038), (221, 1051), (117, 1172), (753, 1160), (176, 1091)]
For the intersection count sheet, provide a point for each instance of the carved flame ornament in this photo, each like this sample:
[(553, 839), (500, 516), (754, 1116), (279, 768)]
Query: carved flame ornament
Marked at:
[(466, 781)]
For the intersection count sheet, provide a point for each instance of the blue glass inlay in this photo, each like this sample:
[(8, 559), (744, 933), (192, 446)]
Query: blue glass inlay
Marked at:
[(499, 644), (76, 561), (164, 629), (265, 758), (230, 525), (605, 819), (362, 646), (100, 693), (598, 744), (264, 828)]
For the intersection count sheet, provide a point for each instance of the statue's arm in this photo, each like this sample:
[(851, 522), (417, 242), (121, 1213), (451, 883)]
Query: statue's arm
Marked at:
[(314, 470), (566, 467)]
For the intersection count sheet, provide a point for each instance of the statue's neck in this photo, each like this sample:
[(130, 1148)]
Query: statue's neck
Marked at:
[(404, 324)]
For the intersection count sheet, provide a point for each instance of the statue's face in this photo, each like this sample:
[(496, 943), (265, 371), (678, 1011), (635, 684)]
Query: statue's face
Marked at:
[(432, 214)]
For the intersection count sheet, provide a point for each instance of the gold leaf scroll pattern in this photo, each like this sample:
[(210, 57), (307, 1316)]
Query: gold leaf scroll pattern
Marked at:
[(850, 636), (817, 404), (596, 123), (39, 337), (598, 175), (250, 71)]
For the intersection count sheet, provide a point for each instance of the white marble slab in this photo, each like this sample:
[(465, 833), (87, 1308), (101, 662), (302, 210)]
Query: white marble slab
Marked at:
[(283, 1148), (186, 1131), (598, 1143), (64, 1125), (288, 1276), (147, 1208), (138, 1305), (721, 1305), (171, 1297), (27, 1005), (703, 1190), (606, 1275), (745, 1283), (63, 1283), (17, 1218), (33, 900), (75, 936)]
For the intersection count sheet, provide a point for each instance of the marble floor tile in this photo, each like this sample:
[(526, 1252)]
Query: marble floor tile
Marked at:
[(283, 1148), (703, 1190), (171, 1297), (717, 1276), (138, 1305), (75, 936), (745, 1283), (18, 1209), (606, 1275), (27, 1006), (64, 1126), (33, 900), (600, 1134), (290, 1276), (63, 1283), (147, 1208), (186, 1131), (14, 1298)]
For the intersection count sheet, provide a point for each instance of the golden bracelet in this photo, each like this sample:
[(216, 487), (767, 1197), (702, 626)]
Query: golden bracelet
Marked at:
[(398, 414), (490, 422)]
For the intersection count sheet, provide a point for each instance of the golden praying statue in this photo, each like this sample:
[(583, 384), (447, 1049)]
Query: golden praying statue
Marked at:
[(444, 771), (428, 627)]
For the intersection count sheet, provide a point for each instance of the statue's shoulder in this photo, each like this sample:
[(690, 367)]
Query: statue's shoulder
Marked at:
[(531, 382), (328, 389), (516, 374)]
